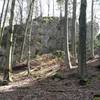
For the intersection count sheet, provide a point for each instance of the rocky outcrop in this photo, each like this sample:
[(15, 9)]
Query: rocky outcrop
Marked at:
[(47, 36)]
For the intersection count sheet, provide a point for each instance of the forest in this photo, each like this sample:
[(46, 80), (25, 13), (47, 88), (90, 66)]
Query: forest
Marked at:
[(49, 49)]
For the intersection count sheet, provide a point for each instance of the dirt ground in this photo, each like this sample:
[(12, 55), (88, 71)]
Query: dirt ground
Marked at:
[(51, 80)]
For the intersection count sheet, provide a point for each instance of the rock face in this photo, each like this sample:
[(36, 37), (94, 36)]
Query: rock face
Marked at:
[(47, 36)]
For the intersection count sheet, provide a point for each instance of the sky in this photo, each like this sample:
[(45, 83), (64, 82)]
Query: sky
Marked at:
[(45, 9)]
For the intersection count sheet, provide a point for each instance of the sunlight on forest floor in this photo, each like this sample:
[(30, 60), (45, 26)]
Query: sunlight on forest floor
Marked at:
[(41, 67), (49, 76)]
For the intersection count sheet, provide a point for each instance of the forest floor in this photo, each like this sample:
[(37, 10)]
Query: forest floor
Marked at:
[(51, 80)]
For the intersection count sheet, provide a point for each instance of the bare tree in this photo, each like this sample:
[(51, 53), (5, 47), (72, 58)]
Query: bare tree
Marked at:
[(92, 33), (60, 4), (26, 29), (67, 54), (40, 8), (8, 65), (73, 32), (2, 29), (21, 10), (29, 43), (2, 12), (82, 39), (48, 8)]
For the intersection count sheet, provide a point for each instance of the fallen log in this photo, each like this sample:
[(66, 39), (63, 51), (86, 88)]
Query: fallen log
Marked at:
[(93, 63), (23, 65)]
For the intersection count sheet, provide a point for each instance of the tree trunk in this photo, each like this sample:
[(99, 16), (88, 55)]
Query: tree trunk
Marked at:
[(2, 29), (8, 65), (29, 38), (82, 40), (53, 7), (28, 5), (2, 12), (40, 8), (60, 11), (26, 29), (73, 44), (92, 33), (48, 8), (67, 54), (21, 12)]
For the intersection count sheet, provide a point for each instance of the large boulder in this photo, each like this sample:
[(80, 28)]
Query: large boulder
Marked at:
[(47, 35)]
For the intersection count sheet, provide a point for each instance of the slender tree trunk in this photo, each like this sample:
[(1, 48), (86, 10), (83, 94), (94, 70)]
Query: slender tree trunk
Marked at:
[(21, 12), (82, 40), (74, 30), (53, 8), (92, 33), (60, 11), (28, 5), (67, 54), (29, 51), (40, 8), (2, 29), (48, 8), (13, 50), (2, 12), (8, 65), (29, 42), (29, 47), (27, 26)]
